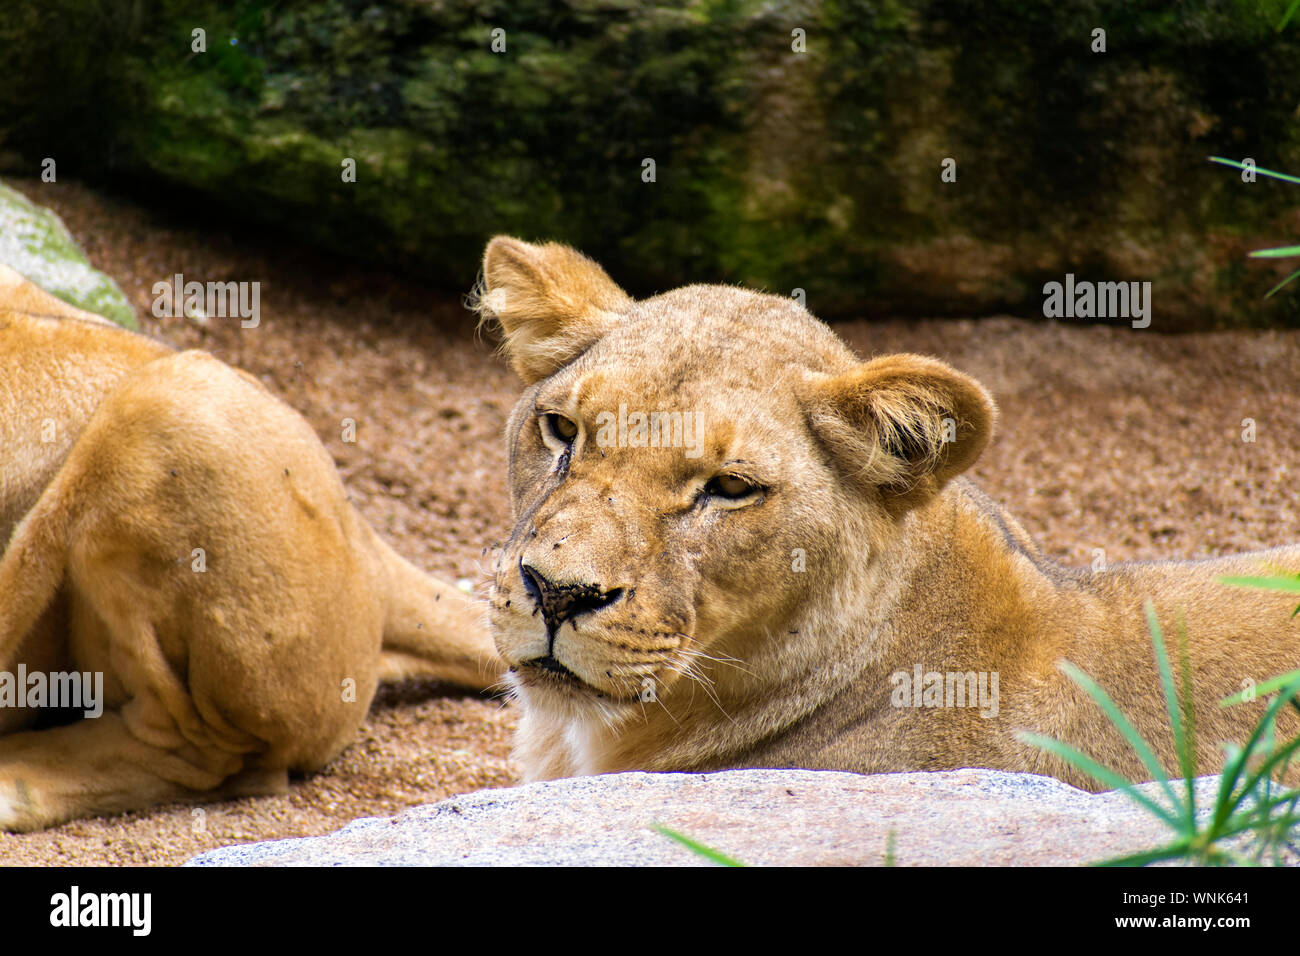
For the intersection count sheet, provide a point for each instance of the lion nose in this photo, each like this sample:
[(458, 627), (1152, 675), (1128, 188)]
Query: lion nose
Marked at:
[(563, 602)]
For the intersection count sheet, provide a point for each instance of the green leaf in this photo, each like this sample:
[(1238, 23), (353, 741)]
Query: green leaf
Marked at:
[(1277, 252), (1268, 295), (1171, 695), (1230, 776), (1122, 724), (1262, 690), (1248, 822), (1282, 755), (1290, 585), (699, 849), (1188, 700), (1222, 811), (1175, 850), (1103, 775), (1258, 169), (1286, 17), (1246, 800)]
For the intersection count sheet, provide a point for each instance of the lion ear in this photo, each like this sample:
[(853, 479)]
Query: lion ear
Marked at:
[(902, 424), (551, 301)]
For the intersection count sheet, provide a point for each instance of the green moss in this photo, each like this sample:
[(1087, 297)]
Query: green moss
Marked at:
[(774, 168), (35, 243)]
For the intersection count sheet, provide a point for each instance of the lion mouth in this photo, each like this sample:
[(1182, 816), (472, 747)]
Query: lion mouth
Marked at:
[(553, 666), (547, 671)]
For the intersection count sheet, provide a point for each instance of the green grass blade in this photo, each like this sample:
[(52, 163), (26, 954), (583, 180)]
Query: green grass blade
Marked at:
[(1248, 773), (1272, 292), (1123, 725), (1171, 695), (1102, 775), (1277, 252), (1252, 823), (699, 849), (1229, 778), (1279, 756), (1173, 851), (1289, 585), (1286, 17), (1259, 169), (1222, 812), (1270, 804), (1262, 690), (1187, 700)]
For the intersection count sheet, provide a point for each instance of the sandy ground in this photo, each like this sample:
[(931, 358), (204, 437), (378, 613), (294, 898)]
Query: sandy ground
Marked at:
[(1109, 438)]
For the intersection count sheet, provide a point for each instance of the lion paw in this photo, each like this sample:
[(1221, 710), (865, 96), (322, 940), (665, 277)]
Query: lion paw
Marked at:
[(19, 812)]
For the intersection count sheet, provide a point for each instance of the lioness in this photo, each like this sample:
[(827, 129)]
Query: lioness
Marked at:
[(184, 534), (777, 589)]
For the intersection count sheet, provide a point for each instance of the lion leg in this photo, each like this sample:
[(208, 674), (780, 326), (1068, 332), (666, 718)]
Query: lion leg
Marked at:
[(431, 627), (32, 569), (45, 650), (98, 766), (162, 711)]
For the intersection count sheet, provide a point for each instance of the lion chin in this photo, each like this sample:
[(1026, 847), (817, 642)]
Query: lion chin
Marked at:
[(736, 544)]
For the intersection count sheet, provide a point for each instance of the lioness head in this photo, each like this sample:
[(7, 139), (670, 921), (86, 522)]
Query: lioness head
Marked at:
[(691, 477)]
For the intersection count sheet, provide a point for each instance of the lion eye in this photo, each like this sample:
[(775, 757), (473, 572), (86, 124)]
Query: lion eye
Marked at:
[(730, 486), (560, 427)]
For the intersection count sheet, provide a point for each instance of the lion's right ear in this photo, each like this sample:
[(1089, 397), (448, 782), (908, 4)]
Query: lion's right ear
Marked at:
[(551, 301)]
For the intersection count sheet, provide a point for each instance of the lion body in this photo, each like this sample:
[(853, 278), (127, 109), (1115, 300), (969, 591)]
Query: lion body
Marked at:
[(841, 597), (183, 533)]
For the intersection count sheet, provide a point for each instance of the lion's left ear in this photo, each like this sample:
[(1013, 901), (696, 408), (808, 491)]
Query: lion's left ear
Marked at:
[(902, 424), (552, 303)]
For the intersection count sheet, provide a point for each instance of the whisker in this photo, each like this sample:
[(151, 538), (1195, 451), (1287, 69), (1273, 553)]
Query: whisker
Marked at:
[(728, 661), (686, 668), (660, 701)]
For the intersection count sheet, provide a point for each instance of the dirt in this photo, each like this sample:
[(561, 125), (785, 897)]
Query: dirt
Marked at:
[(1109, 438)]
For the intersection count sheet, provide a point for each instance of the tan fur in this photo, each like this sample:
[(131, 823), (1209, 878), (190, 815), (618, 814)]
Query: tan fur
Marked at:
[(20, 295), (121, 458), (557, 301), (766, 632)]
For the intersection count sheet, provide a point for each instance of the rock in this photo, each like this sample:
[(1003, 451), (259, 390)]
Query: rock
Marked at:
[(817, 170), (759, 817), (35, 243)]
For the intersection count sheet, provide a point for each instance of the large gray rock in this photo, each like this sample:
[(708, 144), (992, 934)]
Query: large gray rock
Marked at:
[(35, 243), (762, 817)]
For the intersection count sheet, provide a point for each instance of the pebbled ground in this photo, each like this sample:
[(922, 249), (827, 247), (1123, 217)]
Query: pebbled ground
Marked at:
[(1109, 438)]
